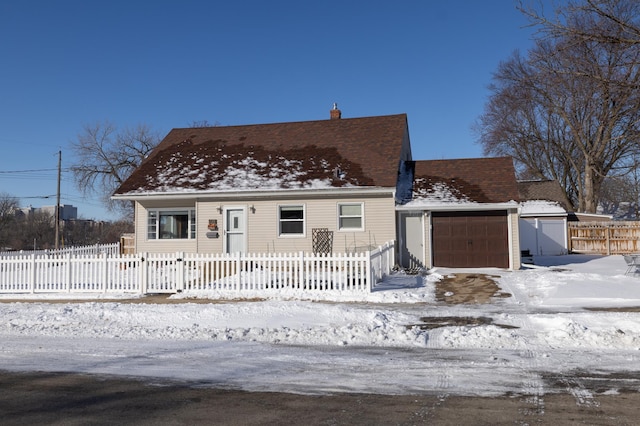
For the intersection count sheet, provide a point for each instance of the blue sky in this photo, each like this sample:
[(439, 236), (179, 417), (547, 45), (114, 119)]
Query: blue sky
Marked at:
[(167, 64)]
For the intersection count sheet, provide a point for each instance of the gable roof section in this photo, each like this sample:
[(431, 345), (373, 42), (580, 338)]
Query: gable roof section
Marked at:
[(548, 190), (312, 154), (472, 180)]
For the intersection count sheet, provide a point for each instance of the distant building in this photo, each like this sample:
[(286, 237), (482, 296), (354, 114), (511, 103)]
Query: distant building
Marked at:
[(24, 211), (67, 211)]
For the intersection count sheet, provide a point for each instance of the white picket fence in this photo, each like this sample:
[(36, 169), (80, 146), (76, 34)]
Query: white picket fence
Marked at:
[(184, 272), (93, 249)]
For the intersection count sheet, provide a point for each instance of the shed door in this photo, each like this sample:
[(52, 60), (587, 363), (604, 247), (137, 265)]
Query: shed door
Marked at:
[(544, 236), (552, 237), (529, 235), (470, 239)]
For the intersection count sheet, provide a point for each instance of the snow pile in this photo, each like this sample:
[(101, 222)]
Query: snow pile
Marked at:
[(297, 323), (552, 323)]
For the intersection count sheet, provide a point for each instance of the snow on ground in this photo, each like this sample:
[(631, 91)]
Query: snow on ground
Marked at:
[(345, 343)]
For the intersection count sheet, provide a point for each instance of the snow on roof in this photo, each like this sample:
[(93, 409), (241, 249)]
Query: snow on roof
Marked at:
[(541, 207), (237, 173), (428, 193)]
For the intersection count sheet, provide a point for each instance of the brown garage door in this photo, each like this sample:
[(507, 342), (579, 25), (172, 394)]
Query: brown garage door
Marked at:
[(470, 239)]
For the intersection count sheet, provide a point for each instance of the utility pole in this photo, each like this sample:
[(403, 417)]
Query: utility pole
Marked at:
[(57, 245)]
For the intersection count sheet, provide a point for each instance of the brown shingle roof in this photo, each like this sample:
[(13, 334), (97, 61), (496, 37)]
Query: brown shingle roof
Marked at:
[(481, 180), (339, 152), (548, 190)]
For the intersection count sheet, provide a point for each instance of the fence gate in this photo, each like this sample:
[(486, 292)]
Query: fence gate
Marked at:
[(322, 240)]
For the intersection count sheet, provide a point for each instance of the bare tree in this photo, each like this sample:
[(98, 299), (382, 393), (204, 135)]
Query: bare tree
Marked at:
[(35, 230), (203, 123), (568, 110), (8, 206), (617, 20), (619, 197), (81, 232), (105, 157), (111, 232)]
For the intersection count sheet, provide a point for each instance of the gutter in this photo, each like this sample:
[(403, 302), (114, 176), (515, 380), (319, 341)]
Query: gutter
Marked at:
[(459, 207), (533, 215), (183, 195)]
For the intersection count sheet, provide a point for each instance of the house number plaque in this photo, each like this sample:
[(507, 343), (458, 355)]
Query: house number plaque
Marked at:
[(213, 229)]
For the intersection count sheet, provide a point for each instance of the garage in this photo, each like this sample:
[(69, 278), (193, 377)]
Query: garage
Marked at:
[(470, 239)]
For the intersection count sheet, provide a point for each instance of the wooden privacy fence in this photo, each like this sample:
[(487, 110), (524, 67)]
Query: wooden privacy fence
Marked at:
[(604, 237), (178, 272)]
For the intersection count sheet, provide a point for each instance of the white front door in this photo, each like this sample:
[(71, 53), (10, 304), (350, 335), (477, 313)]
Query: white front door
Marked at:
[(235, 230)]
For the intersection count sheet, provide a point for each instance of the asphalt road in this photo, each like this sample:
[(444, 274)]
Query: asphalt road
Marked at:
[(73, 399)]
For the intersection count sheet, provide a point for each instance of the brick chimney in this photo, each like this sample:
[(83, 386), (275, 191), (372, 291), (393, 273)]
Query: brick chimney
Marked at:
[(335, 112)]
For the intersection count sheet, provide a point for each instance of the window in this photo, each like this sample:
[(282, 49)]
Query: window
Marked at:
[(291, 220), (171, 224), (350, 217)]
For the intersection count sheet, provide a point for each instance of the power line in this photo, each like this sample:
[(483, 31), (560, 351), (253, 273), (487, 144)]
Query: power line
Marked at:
[(39, 196), (30, 174), (32, 170), (46, 174), (29, 177), (89, 201)]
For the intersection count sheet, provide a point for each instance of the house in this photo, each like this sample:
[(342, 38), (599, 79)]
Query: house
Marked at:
[(543, 218), (463, 213), (336, 185), (313, 186)]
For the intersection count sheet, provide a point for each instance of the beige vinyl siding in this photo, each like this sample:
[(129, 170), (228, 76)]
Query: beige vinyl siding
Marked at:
[(428, 244), (263, 227), (514, 239), (378, 216), (208, 211)]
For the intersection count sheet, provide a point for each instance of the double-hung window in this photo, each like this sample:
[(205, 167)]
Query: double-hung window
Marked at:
[(171, 224), (291, 220), (350, 217)]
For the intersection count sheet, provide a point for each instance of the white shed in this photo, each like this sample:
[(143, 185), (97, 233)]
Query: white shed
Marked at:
[(543, 228)]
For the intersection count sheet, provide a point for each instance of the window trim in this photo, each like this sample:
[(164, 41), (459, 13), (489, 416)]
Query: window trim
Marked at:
[(340, 217), (304, 221), (192, 233)]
